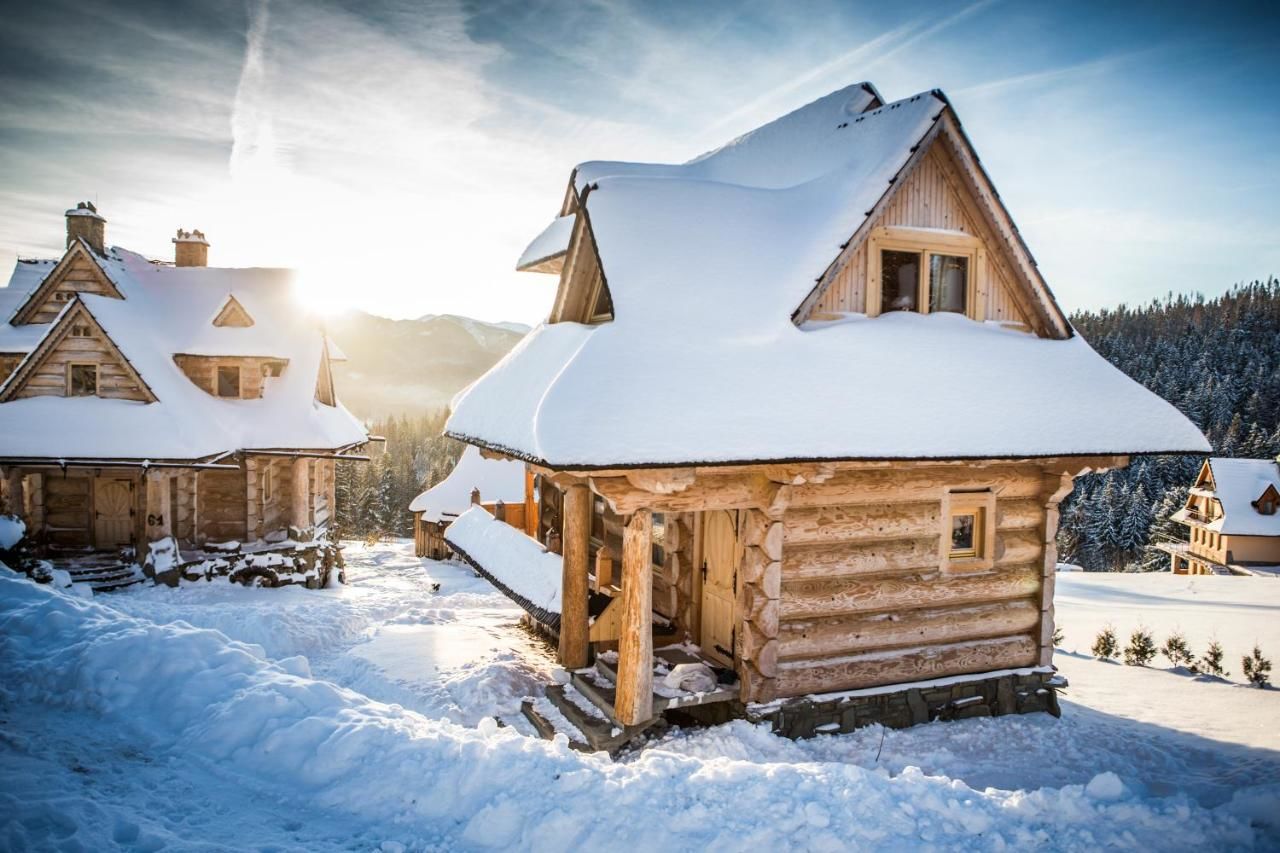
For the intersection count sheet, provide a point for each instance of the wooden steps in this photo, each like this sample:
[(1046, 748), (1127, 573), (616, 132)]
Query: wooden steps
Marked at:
[(106, 578), (597, 731)]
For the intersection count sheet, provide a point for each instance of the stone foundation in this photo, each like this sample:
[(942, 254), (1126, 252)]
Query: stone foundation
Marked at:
[(995, 694), (311, 566)]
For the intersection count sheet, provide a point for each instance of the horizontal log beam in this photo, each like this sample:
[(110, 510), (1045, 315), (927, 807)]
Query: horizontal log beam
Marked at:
[(819, 638), (866, 523), (917, 664), (818, 560), (871, 487), (734, 491), (877, 594)]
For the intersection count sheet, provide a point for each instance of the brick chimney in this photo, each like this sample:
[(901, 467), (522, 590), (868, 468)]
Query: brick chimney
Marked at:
[(84, 222), (190, 249)]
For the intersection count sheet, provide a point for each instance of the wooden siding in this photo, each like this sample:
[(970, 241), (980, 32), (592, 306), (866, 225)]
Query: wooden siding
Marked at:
[(48, 377), (68, 509), (928, 198), (221, 506), (865, 601), (203, 371), (9, 362), (80, 275)]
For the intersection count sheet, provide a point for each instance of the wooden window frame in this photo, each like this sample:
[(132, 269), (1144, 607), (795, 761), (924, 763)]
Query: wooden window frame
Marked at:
[(978, 503), (217, 381), (926, 242), (97, 383)]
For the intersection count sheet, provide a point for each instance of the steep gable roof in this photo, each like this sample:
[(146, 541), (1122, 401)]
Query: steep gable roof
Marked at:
[(706, 264), (1237, 484), (168, 310), (78, 251), (497, 480), (233, 314), (76, 313)]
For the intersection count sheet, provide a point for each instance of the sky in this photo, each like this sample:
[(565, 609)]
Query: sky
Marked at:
[(401, 155)]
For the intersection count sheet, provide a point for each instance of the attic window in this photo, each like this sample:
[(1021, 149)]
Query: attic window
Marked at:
[(79, 330), (904, 288), (63, 296), (229, 381), (82, 380)]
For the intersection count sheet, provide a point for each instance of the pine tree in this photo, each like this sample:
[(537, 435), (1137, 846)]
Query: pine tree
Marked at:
[(1141, 648), (1210, 662), (1175, 648), (1104, 646), (1058, 637), (1257, 669)]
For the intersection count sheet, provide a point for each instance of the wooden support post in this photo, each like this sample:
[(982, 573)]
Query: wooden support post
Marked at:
[(634, 702), (158, 523), (301, 498), (575, 628), (14, 499)]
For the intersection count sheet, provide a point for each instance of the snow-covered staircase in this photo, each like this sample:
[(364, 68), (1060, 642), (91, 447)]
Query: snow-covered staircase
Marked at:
[(105, 578), (583, 712)]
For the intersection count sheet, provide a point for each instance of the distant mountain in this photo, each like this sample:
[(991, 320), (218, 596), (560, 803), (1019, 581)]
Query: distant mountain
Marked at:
[(399, 367)]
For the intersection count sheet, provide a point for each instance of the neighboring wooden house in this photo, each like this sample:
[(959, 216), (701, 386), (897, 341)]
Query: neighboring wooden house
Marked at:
[(143, 400), (813, 401), (1233, 520), (497, 485)]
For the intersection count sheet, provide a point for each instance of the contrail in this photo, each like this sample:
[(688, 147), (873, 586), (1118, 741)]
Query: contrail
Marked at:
[(253, 147)]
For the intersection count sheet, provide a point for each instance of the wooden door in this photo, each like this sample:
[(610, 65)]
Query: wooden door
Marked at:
[(721, 555), (112, 512)]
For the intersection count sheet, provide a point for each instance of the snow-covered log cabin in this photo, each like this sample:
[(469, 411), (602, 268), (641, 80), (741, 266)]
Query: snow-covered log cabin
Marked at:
[(497, 485), (143, 400), (1232, 516), (812, 400)]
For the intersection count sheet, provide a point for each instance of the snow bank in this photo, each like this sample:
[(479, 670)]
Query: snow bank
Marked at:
[(11, 531), (516, 564), (217, 702)]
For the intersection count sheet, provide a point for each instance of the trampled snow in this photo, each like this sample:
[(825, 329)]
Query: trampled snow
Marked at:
[(707, 262), (497, 480), (129, 721)]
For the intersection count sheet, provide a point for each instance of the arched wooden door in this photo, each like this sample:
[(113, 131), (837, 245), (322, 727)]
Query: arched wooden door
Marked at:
[(112, 512), (721, 555)]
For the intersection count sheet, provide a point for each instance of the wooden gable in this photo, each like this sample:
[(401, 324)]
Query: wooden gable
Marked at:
[(324, 381), (583, 295), (77, 272), (76, 339), (233, 314), (942, 188)]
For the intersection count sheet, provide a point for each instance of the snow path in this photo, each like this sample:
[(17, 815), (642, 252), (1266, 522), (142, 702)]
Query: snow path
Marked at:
[(193, 740)]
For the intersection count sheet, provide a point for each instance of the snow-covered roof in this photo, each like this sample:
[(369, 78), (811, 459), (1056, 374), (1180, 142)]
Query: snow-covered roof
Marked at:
[(497, 480), (706, 263), (167, 311), (516, 564), (553, 241), (1237, 484)]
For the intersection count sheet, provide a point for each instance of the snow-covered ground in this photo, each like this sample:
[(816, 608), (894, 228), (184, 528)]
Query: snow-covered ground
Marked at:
[(357, 718)]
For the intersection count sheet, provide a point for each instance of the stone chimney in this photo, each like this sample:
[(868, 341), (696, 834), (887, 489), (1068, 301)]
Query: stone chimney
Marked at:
[(85, 223), (190, 249)]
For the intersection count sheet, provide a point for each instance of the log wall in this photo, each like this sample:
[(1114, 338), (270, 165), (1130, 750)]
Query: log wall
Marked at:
[(221, 508), (203, 371), (845, 589), (68, 509)]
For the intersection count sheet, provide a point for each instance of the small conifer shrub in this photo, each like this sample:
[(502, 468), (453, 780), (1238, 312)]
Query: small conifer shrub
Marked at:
[(1210, 662), (1141, 648), (1105, 646), (1175, 648), (1257, 669)]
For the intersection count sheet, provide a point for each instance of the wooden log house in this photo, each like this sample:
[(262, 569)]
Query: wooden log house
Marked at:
[(1232, 517), (806, 403), (495, 484), (142, 400)]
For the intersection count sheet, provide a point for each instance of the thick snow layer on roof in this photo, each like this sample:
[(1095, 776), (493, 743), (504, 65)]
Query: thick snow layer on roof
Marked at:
[(168, 311), (707, 261), (512, 559), (1239, 482), (554, 240), (900, 386), (497, 480)]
